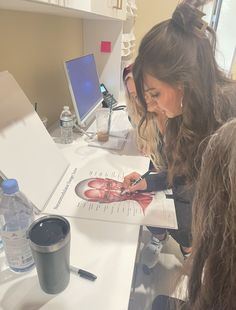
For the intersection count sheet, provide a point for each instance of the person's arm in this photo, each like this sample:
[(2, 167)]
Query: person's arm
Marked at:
[(157, 182), (151, 183)]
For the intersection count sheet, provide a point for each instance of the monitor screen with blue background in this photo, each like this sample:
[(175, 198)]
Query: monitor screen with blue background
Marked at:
[(84, 87)]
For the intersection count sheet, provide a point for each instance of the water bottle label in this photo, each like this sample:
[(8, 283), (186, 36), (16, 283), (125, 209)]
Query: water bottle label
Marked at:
[(17, 249), (64, 123), (2, 222)]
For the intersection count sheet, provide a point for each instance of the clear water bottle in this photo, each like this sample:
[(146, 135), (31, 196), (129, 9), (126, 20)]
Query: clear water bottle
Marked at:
[(16, 214), (1, 245), (66, 124)]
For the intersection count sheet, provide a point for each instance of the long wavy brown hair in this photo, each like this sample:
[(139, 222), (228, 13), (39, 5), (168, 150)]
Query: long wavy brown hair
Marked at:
[(180, 51), (212, 282)]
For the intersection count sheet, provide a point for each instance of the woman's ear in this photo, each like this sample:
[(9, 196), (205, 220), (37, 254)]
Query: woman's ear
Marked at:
[(130, 85)]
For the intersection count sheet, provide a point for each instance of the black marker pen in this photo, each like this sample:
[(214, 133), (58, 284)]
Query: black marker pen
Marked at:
[(83, 273)]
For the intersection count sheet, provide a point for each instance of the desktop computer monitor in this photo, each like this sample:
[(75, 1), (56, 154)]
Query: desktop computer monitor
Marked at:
[(84, 87)]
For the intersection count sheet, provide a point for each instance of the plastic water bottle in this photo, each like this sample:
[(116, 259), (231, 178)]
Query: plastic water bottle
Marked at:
[(1, 245), (16, 214), (66, 124)]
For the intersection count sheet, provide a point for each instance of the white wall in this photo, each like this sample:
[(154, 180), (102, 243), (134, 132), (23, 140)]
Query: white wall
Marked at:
[(226, 34), (33, 49), (150, 13)]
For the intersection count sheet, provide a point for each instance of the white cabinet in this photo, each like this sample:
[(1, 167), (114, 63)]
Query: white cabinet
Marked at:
[(42, 1), (108, 64), (47, 1), (113, 8), (98, 9), (77, 5), (103, 20), (121, 36), (109, 8)]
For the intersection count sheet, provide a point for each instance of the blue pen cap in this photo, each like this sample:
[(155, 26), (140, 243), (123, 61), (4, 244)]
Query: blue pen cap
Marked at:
[(10, 186)]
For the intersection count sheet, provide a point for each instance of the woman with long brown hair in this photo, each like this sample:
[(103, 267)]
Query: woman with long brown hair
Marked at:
[(212, 281), (176, 72), (153, 123)]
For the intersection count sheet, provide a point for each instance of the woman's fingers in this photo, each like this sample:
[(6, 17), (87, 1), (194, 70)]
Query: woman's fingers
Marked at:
[(130, 179), (140, 186)]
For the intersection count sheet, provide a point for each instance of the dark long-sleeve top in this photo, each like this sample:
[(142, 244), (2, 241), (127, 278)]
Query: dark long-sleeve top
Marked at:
[(157, 182), (183, 198), (181, 192)]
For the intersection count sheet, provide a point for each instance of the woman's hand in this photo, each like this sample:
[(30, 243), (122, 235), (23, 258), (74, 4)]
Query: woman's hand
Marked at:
[(129, 179)]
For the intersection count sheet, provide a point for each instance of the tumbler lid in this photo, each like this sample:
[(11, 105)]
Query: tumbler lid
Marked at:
[(49, 233)]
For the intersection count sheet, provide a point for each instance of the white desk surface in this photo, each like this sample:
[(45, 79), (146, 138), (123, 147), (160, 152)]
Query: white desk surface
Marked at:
[(105, 249)]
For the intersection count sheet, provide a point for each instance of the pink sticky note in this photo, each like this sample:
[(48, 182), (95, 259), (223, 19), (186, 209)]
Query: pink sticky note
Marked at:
[(105, 46)]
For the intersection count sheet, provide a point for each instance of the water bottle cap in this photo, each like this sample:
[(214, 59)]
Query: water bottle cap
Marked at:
[(10, 186)]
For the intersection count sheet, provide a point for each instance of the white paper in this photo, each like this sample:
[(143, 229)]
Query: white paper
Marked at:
[(141, 209), (28, 152)]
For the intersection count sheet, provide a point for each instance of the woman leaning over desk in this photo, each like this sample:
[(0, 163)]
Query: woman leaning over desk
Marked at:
[(176, 72)]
